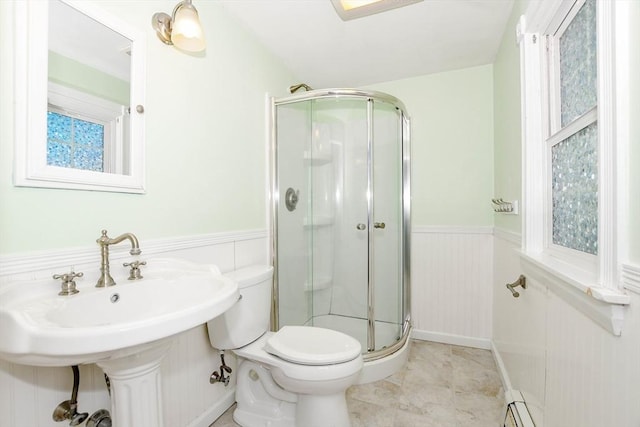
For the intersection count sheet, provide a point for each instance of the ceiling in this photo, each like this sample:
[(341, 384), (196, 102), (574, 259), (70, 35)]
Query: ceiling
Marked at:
[(81, 38), (423, 38)]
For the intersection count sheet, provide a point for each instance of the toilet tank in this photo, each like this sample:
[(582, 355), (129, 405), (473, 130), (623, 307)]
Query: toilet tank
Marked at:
[(248, 319)]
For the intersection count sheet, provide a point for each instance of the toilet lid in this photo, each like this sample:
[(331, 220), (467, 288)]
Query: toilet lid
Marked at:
[(309, 345)]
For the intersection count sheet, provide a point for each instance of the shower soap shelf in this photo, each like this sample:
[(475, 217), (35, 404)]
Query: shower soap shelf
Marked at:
[(318, 284), (318, 221), (317, 159)]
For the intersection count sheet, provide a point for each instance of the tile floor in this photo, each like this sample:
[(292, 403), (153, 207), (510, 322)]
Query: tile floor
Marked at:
[(441, 386)]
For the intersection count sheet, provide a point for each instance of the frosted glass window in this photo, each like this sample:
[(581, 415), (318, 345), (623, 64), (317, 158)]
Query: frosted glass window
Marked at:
[(74, 143), (578, 64), (574, 144), (574, 164)]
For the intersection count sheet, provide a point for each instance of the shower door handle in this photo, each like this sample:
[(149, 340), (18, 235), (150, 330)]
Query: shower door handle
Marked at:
[(379, 225), (361, 227)]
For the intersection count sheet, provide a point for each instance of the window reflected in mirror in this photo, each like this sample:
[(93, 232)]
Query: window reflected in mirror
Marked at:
[(74, 143)]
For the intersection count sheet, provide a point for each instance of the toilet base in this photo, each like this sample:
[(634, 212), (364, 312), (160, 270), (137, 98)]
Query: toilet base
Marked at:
[(328, 410), (262, 402)]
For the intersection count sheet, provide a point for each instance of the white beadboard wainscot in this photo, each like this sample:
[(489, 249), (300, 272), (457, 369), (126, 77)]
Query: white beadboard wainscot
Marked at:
[(570, 369), (28, 395), (518, 325), (451, 284)]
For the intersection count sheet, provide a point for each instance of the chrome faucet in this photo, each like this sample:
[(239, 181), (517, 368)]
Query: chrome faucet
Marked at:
[(104, 241)]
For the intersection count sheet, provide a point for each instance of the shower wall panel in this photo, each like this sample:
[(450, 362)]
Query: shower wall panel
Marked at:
[(321, 167), (349, 297)]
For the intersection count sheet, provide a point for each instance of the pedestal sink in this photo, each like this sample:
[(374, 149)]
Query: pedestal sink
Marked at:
[(125, 329)]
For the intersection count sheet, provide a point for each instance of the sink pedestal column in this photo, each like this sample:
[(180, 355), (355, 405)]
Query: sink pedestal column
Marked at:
[(136, 387)]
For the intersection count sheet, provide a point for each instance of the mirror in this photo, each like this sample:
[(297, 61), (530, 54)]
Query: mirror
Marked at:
[(79, 98), (88, 93)]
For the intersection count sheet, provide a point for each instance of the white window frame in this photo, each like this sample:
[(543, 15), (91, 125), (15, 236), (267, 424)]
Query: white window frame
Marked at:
[(590, 283), (554, 133)]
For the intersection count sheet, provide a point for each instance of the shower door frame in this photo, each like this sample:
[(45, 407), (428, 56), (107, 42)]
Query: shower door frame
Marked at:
[(405, 244)]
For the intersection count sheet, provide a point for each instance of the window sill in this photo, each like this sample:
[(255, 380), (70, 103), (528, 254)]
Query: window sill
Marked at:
[(602, 305)]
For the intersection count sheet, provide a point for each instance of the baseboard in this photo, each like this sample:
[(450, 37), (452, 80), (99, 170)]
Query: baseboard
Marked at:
[(215, 411), (483, 343), (502, 370)]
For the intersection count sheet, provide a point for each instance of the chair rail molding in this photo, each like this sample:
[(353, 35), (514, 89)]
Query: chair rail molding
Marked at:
[(631, 277), (42, 260)]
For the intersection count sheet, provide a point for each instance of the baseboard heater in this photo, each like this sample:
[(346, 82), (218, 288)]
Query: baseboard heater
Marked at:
[(517, 413)]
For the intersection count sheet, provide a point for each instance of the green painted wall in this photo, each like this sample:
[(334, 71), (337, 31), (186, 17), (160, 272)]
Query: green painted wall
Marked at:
[(74, 74), (205, 143), (507, 122), (452, 145)]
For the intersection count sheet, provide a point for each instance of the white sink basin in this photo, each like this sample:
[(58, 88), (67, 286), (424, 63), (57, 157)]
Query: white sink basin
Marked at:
[(40, 328)]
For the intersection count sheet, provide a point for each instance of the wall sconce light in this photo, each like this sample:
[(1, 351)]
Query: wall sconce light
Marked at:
[(182, 29)]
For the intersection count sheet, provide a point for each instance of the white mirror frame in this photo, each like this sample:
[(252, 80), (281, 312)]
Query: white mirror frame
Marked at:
[(30, 104)]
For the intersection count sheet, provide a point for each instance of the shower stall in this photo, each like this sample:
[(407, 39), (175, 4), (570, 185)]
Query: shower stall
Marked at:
[(341, 219)]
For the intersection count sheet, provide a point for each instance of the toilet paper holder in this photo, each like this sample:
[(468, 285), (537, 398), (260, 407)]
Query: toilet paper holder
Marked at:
[(522, 281)]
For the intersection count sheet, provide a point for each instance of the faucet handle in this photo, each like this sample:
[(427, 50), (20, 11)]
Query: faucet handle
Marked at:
[(134, 273), (68, 284)]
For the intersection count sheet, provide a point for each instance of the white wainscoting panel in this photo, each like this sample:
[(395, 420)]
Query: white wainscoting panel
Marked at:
[(571, 371), (28, 395), (451, 284), (519, 326), (593, 377)]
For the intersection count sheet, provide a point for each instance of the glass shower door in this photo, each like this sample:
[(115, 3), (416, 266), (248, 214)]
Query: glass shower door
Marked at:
[(387, 233), (339, 220)]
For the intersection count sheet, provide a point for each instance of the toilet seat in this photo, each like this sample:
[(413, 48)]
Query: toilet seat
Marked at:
[(256, 352), (308, 345)]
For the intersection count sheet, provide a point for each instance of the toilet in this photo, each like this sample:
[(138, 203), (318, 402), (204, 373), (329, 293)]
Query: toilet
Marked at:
[(296, 377)]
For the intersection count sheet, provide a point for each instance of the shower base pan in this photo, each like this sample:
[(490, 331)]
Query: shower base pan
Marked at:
[(378, 368)]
